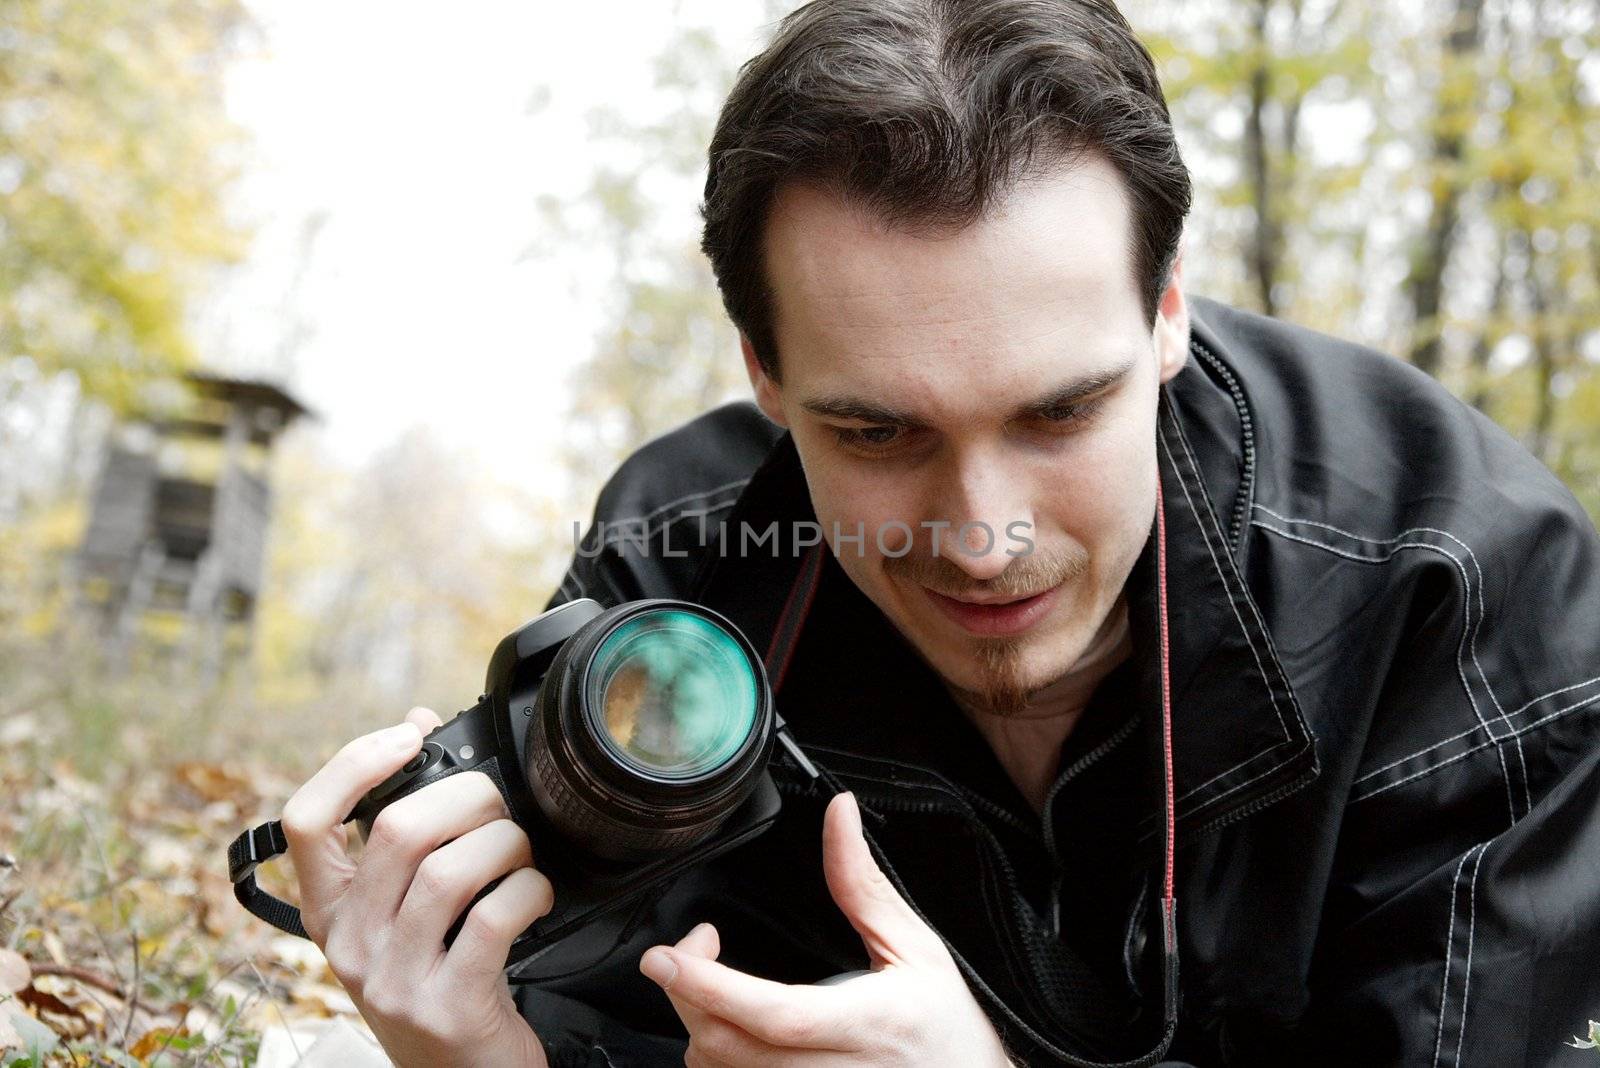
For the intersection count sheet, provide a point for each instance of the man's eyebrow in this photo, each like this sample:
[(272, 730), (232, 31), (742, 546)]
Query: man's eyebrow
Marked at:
[(839, 406), (1071, 392), (843, 406)]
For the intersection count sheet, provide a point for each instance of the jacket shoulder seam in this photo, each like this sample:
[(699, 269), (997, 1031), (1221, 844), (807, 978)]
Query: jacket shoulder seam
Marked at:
[(1370, 550)]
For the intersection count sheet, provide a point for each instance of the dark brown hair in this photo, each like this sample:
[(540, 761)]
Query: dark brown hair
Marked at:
[(927, 111)]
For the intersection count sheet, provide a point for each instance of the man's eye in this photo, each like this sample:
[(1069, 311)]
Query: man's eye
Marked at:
[(1072, 413), (868, 437)]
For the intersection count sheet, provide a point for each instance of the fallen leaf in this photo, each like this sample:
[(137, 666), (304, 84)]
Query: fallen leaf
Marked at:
[(15, 972), (18, 729), (213, 782), (46, 1001), (323, 997), (9, 1039), (159, 1039), (298, 954), (30, 1033)]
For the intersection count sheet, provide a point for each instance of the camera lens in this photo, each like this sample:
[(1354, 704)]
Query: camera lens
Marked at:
[(654, 723), (675, 693)]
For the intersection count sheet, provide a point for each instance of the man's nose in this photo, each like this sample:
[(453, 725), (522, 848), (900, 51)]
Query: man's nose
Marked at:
[(981, 497)]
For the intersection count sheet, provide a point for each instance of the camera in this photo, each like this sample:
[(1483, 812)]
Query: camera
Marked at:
[(631, 743)]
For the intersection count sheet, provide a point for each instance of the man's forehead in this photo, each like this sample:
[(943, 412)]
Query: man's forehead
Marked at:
[(1043, 275)]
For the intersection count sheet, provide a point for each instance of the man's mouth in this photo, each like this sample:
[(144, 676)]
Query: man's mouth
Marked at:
[(993, 616)]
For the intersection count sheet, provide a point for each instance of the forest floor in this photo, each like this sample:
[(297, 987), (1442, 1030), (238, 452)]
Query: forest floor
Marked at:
[(120, 940)]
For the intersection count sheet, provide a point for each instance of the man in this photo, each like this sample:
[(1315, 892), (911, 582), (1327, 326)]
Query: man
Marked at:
[(1147, 633)]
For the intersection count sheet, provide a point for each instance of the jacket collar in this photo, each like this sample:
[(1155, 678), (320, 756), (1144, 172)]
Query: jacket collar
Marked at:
[(1239, 739)]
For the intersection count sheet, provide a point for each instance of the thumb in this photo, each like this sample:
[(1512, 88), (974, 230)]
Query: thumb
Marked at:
[(426, 719), (893, 933)]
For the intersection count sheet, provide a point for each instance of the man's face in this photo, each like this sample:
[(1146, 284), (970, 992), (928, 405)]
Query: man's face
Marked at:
[(1001, 377)]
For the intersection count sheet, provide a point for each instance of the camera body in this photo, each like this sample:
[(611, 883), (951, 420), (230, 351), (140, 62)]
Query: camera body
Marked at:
[(606, 829)]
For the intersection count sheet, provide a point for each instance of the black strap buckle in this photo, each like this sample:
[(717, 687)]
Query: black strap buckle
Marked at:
[(250, 849)]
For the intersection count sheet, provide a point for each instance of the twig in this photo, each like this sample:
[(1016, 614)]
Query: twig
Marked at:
[(298, 1056), (82, 975), (227, 1026), (204, 996), (133, 1001)]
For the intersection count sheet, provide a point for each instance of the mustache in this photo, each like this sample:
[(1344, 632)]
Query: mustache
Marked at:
[(1027, 575)]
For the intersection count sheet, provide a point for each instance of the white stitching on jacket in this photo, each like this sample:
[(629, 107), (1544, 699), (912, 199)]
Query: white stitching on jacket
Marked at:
[(1472, 923), (1467, 627), (1449, 953), (1474, 730), (1541, 721), (1233, 605), (1477, 626)]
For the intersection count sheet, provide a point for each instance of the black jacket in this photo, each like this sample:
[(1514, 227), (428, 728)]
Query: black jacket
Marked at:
[(1385, 667)]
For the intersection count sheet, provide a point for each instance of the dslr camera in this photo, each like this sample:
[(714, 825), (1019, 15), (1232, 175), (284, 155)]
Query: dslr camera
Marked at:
[(631, 743)]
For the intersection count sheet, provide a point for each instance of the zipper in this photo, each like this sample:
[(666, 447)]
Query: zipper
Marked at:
[(1247, 438)]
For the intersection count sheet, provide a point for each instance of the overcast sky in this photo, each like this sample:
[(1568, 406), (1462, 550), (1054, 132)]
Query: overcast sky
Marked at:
[(408, 127)]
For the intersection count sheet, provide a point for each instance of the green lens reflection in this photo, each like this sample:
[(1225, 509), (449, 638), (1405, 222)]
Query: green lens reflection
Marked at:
[(676, 693)]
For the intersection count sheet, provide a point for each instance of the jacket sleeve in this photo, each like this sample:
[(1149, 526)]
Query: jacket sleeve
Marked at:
[(1466, 929)]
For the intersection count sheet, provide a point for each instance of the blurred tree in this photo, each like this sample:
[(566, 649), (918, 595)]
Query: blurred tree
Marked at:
[(114, 155), (1457, 98), (385, 587), (1419, 176), (1253, 85), (668, 351)]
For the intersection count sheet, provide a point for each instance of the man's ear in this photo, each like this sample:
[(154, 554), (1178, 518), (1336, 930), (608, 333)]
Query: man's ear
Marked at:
[(766, 391), (1172, 321)]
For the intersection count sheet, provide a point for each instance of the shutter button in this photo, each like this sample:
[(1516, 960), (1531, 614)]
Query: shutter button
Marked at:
[(420, 761)]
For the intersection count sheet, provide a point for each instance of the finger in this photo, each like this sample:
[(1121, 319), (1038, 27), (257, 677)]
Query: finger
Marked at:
[(426, 719), (495, 922), (716, 1043), (777, 1013), (410, 829), (447, 879), (702, 941), (313, 817), (892, 932)]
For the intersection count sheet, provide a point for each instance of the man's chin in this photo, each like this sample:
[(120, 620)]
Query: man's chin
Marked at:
[(988, 674)]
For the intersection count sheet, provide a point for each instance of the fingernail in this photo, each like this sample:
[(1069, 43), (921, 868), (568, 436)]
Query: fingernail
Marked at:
[(686, 939), (659, 967)]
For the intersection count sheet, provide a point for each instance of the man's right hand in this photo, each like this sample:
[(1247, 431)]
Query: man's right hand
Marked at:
[(381, 921)]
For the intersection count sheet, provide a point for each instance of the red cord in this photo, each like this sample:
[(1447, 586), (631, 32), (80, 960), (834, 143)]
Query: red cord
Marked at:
[(1166, 680)]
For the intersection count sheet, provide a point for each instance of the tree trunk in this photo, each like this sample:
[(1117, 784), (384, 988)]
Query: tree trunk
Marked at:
[(1264, 249), (1483, 345), (1541, 440), (1427, 274)]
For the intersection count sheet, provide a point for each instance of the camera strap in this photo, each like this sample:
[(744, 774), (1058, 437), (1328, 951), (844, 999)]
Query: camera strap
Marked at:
[(261, 843), (266, 841), (783, 640)]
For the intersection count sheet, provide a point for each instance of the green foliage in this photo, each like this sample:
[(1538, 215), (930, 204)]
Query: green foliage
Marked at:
[(114, 155), (1423, 180)]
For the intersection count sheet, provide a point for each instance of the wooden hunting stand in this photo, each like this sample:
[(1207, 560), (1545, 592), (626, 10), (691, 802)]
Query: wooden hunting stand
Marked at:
[(178, 524)]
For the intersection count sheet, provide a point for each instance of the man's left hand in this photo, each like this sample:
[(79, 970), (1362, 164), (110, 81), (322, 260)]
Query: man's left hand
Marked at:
[(914, 1007)]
